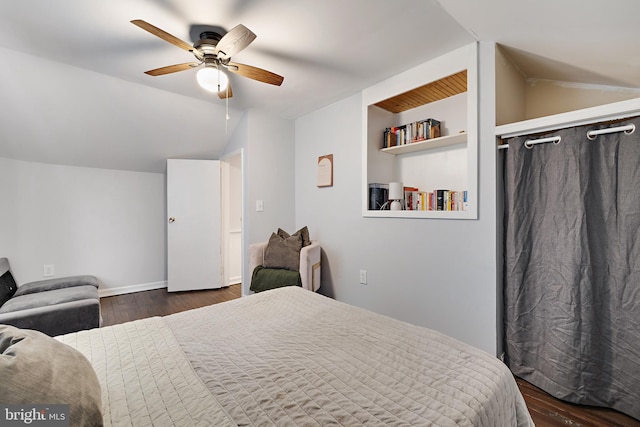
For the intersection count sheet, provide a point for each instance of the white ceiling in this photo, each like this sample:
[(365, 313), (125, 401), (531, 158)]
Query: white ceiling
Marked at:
[(325, 49), (582, 41)]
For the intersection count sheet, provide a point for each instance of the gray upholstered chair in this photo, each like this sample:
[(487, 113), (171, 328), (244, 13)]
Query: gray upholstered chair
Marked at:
[(55, 306), (309, 263)]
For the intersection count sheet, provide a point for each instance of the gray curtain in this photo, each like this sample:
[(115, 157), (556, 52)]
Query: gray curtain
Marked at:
[(572, 266)]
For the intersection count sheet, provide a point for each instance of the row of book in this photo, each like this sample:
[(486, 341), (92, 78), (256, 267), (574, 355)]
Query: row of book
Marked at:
[(411, 132), (436, 200)]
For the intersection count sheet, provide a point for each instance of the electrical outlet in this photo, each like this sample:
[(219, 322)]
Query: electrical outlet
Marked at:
[(363, 277), (47, 270)]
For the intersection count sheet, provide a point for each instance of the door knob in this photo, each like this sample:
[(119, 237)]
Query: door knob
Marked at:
[(172, 220)]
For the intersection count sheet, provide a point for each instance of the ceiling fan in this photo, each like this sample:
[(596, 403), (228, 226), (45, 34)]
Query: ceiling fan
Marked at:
[(215, 52)]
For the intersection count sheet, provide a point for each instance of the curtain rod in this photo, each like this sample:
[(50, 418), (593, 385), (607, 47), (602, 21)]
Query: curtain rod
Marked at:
[(628, 129), (592, 134)]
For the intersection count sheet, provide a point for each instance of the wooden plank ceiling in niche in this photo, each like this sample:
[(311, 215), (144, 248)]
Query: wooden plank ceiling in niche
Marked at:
[(431, 92)]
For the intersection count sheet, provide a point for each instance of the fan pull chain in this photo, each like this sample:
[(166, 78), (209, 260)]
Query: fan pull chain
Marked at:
[(226, 122)]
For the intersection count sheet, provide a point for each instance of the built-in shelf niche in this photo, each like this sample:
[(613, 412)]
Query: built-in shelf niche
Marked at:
[(445, 89)]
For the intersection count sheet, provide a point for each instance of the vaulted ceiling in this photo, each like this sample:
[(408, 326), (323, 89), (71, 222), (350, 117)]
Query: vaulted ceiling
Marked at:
[(326, 50)]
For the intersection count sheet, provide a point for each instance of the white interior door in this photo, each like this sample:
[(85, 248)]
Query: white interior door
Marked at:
[(193, 227)]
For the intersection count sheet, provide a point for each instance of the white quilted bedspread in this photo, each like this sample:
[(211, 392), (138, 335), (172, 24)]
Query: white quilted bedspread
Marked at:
[(293, 357), (146, 379)]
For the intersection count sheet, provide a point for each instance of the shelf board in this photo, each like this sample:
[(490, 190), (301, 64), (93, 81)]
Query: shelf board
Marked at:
[(428, 144), (420, 214)]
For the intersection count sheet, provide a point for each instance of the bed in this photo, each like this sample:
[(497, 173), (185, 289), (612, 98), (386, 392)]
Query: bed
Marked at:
[(293, 357)]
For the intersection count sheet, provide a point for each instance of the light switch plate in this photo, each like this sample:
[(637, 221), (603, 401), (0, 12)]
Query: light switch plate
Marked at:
[(47, 270), (363, 277)]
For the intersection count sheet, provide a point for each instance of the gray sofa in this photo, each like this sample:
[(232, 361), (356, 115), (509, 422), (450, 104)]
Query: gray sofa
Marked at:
[(55, 307)]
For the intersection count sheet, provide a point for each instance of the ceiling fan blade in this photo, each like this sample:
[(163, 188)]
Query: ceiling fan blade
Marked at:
[(234, 41), (224, 94), (255, 73), (162, 34), (172, 68)]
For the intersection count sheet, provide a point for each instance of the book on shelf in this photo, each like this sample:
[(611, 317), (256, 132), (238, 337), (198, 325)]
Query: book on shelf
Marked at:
[(423, 204), (410, 196), (434, 129), (440, 199), (390, 138)]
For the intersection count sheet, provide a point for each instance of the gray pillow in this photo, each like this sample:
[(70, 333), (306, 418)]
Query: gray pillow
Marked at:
[(304, 232), (37, 369), (283, 252)]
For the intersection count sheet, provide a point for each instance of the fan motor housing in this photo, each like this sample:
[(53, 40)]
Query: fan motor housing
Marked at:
[(208, 42)]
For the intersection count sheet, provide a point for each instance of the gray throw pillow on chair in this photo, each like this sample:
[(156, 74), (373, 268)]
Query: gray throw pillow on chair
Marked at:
[(283, 252), (304, 232)]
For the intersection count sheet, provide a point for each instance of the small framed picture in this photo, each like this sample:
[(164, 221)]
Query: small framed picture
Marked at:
[(325, 171)]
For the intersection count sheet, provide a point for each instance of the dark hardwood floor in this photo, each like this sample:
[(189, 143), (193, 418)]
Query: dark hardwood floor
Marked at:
[(545, 410), (159, 302)]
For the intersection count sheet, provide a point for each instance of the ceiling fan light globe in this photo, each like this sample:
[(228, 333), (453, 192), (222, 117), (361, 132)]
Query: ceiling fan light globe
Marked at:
[(209, 78)]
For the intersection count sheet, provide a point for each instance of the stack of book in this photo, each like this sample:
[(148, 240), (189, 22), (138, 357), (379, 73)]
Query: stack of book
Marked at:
[(411, 132), (436, 200)]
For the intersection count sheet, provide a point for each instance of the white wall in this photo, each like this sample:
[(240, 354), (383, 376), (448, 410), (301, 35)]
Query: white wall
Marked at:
[(431, 272), (84, 220), (489, 226), (511, 92), (269, 175), (440, 168), (108, 223), (55, 113)]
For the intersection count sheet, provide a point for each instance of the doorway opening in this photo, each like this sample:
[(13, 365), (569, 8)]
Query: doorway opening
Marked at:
[(231, 195)]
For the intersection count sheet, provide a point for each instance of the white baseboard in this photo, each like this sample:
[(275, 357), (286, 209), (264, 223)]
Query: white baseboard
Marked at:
[(108, 292), (235, 280)]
